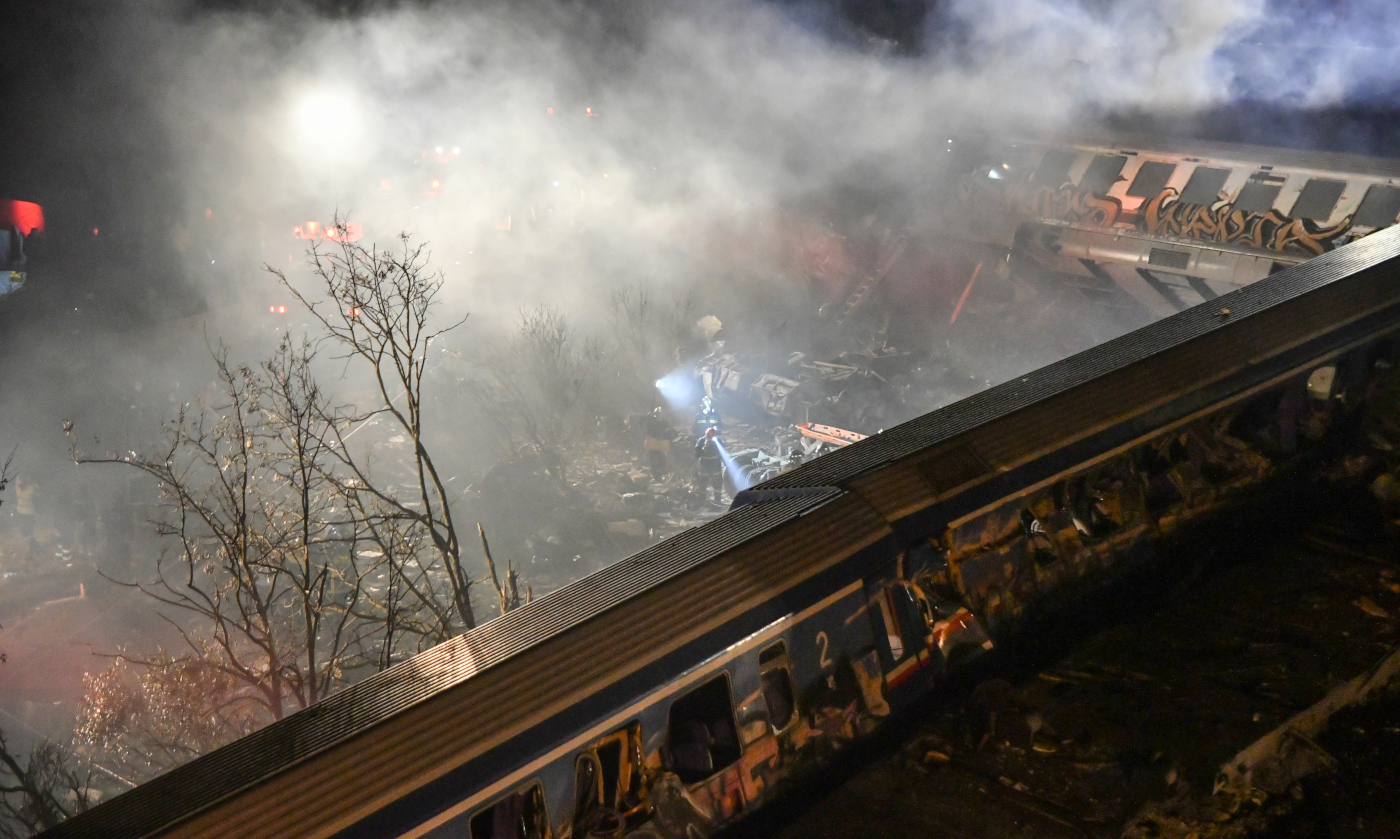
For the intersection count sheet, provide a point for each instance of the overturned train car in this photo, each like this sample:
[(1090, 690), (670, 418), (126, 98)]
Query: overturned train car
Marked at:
[(1172, 225), (679, 689)]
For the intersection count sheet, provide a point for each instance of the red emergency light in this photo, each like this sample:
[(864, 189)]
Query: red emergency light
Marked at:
[(350, 231), (26, 216)]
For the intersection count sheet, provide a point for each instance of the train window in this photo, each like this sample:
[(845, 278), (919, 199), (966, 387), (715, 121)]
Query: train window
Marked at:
[(1151, 179), (778, 691), (892, 632), (1379, 208), (610, 755), (519, 815), (608, 782), (587, 788), (1054, 168), (700, 734), (1259, 193), (1317, 199), (1205, 185), (1102, 173)]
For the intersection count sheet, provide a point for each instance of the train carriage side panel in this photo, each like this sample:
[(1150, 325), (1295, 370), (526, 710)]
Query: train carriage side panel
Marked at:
[(709, 745)]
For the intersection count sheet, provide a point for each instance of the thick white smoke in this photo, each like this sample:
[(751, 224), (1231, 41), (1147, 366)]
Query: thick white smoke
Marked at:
[(678, 131)]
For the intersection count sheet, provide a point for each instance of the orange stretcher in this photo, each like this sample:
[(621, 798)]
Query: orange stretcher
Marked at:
[(829, 433)]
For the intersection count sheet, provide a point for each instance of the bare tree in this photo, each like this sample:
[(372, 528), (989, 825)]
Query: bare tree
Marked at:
[(651, 336), (265, 585), (534, 388), (378, 307), (41, 789), (508, 593), (293, 569)]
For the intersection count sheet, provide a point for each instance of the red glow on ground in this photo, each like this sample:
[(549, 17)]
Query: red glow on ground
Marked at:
[(24, 215), (94, 231)]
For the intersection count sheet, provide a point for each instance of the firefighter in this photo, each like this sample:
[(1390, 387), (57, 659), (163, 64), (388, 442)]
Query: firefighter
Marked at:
[(709, 466), (707, 419), (657, 443)]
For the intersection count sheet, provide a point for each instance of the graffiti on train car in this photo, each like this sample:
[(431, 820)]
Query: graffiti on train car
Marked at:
[(983, 198), (1166, 215), (697, 757), (777, 711), (1034, 551), (1066, 203)]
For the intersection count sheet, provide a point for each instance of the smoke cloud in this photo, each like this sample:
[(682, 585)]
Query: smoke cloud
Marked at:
[(551, 153)]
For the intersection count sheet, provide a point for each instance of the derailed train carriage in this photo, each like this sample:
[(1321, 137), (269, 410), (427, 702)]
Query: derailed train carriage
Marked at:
[(1170, 224), (676, 691)]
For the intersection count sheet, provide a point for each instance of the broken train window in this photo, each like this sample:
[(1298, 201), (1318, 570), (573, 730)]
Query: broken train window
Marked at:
[(1095, 500), (519, 815), (778, 692), (700, 735), (608, 785)]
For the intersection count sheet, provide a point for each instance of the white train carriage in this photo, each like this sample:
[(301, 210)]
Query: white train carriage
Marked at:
[(1173, 224)]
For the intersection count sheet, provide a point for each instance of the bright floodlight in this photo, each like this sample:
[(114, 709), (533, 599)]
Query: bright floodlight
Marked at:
[(328, 122), (679, 388)]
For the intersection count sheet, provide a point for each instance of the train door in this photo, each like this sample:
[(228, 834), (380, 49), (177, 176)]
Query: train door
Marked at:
[(776, 702), (609, 793), (899, 616)]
